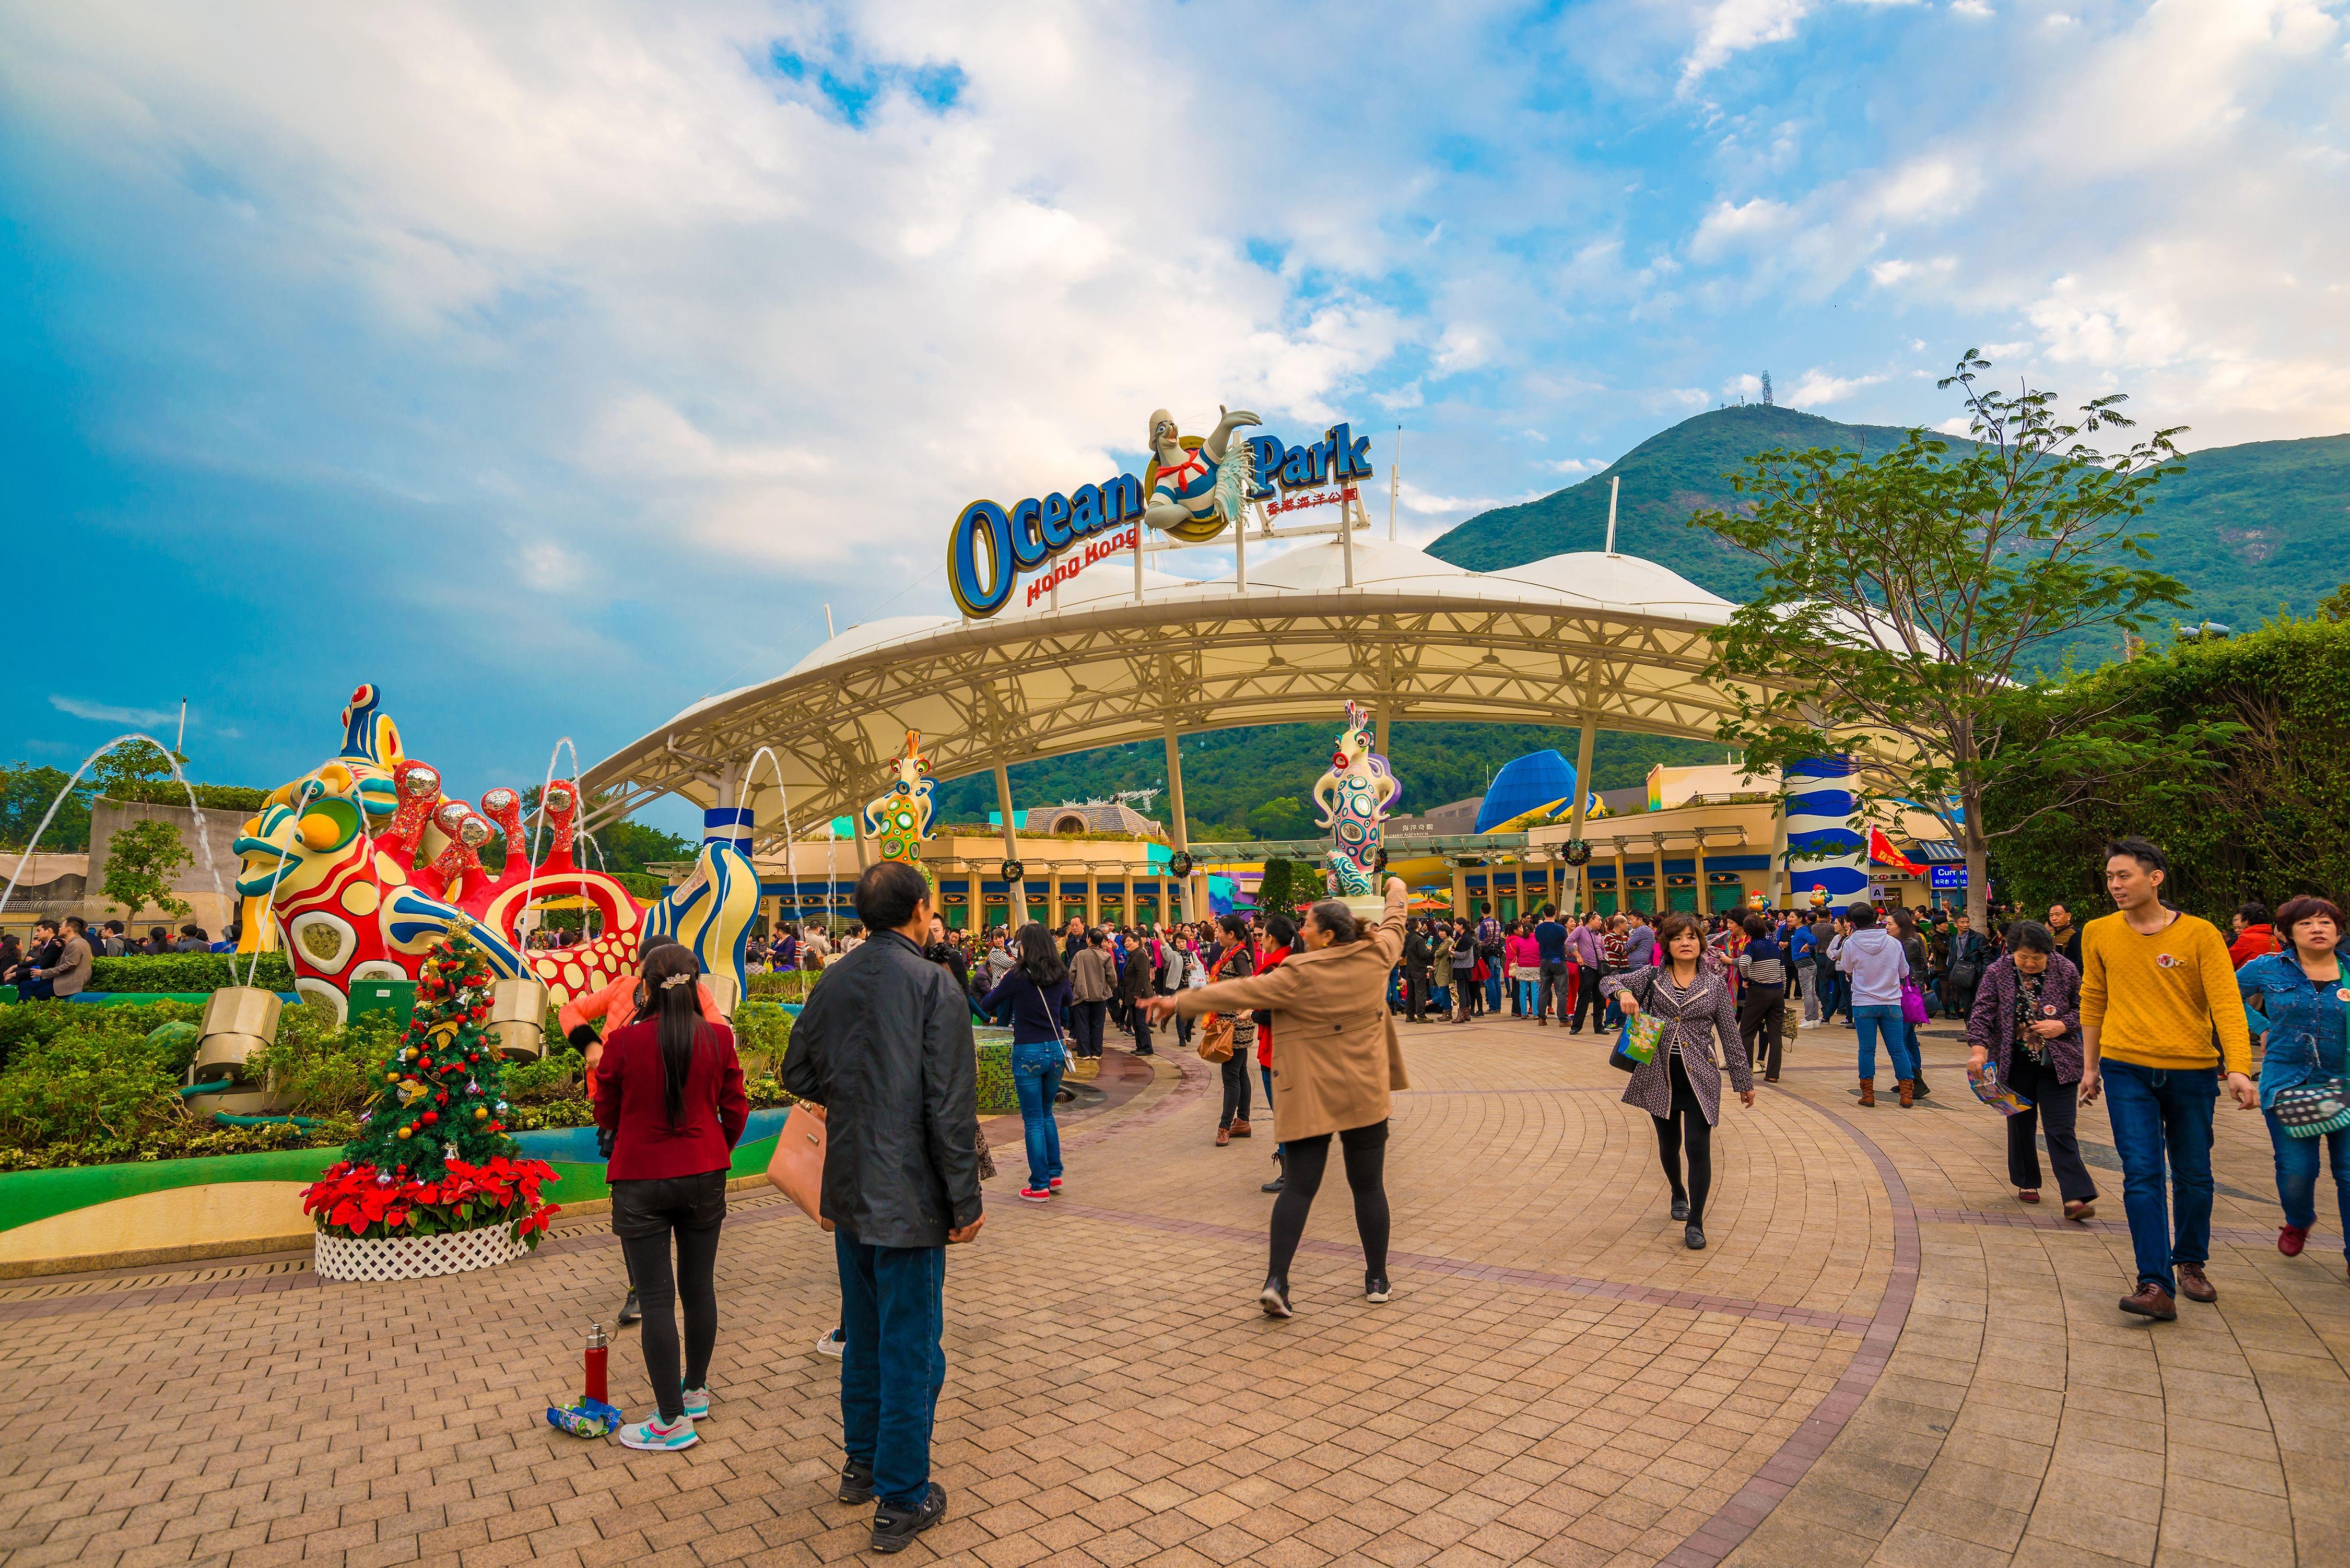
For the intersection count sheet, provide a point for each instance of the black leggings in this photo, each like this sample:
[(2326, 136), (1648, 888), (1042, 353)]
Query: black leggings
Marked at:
[(646, 1214), (1236, 1087), (1366, 1152), (1686, 1126)]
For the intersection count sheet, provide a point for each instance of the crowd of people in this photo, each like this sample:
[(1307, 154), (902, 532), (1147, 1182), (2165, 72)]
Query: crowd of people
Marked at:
[(2134, 1008)]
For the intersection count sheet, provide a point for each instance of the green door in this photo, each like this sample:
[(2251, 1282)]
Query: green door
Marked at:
[(1683, 899)]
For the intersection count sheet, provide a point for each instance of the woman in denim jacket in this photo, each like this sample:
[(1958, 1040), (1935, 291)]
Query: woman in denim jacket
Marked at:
[(2297, 998), (1036, 992), (2027, 1019)]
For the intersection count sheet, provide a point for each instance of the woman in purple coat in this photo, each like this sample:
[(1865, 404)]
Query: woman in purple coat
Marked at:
[(2027, 1018), (1680, 1086)]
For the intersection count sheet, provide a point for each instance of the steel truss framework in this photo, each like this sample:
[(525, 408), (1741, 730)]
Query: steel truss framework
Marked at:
[(984, 694)]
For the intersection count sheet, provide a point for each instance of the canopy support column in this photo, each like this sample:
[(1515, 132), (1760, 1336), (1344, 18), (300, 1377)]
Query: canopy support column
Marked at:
[(1181, 824), (1015, 896), (1623, 882), (1583, 795), (1658, 904), (1093, 895), (1704, 894)]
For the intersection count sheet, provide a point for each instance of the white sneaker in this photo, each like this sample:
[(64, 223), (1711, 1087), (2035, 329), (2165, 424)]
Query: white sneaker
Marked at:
[(832, 1345), (697, 1404), (652, 1437)]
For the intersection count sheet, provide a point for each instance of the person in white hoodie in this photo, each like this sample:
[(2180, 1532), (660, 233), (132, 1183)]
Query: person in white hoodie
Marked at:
[(1873, 958)]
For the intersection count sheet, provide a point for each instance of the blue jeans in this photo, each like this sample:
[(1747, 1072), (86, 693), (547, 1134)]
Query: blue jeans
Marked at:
[(1036, 1076), (2296, 1175), (1887, 1017), (1492, 990), (1529, 1005), (2157, 1112), (1266, 1073), (1832, 990), (892, 1312)]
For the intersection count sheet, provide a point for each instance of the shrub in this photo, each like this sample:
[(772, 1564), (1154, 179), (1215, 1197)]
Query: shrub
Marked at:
[(315, 1066), (36, 1023), (763, 1030), (792, 985), (88, 1086), (193, 1139), (187, 972), (558, 1075)]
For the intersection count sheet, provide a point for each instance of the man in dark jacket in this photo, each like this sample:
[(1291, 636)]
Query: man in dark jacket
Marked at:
[(885, 1045)]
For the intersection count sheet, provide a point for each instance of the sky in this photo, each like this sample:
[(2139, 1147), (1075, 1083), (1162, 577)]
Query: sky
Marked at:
[(554, 369)]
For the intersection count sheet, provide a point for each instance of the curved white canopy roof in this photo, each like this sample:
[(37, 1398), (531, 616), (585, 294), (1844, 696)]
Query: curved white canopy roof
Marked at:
[(1414, 638)]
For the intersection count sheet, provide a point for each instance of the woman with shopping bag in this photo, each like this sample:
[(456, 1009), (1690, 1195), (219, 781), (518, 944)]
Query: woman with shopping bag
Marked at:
[(1691, 1031)]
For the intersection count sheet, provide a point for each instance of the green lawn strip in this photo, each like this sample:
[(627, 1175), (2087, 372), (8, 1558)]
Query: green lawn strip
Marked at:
[(29, 1195)]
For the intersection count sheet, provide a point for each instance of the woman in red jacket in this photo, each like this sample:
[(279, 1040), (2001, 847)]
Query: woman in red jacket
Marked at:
[(1280, 936), (669, 1090)]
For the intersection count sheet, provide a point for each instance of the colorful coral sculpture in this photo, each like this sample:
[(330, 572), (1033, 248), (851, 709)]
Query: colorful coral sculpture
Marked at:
[(365, 864), (900, 817), (1355, 796)]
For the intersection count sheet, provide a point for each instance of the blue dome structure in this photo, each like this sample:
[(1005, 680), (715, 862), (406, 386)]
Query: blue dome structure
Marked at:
[(1538, 782)]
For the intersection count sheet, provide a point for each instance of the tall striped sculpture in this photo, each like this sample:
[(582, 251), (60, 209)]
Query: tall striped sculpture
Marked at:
[(900, 817), (1827, 849), (712, 910)]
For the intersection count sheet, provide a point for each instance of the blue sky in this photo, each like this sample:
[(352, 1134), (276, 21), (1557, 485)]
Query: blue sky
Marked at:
[(554, 371)]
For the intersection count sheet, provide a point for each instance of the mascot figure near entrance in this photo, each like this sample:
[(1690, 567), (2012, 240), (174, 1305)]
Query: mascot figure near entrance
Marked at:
[(362, 864), (1355, 795), (1192, 488), (900, 817)]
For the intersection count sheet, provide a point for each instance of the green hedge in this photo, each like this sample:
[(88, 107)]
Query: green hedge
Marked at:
[(188, 971), (209, 797), (996, 1095)]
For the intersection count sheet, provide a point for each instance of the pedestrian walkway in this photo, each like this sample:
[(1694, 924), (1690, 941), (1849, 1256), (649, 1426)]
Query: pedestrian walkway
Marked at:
[(1881, 1357)]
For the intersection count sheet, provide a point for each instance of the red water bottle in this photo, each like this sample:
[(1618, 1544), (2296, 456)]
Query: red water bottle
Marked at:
[(598, 1352)]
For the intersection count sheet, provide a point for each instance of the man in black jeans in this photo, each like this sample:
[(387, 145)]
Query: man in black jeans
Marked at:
[(885, 1045)]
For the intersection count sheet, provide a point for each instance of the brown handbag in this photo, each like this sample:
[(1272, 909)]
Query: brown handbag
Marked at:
[(797, 1167), (1216, 1038)]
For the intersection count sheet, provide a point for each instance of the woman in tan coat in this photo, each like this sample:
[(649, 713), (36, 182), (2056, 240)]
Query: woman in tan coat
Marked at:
[(1338, 1062)]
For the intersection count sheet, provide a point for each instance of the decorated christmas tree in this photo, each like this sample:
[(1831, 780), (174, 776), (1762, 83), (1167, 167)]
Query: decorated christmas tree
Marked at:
[(432, 1154)]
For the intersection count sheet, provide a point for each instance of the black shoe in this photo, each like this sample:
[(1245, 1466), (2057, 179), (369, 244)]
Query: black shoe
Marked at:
[(630, 1311), (1918, 1086), (1274, 1298), (894, 1531), (1680, 1209), (856, 1483), (1695, 1236), (1144, 1051), (1280, 1178), (1375, 1288)]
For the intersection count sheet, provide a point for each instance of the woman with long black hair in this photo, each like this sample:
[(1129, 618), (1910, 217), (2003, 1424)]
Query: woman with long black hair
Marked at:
[(1680, 1086), (669, 1090), (1236, 961), (1035, 989)]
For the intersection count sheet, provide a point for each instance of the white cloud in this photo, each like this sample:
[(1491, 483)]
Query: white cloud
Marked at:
[(109, 713), (1728, 228), (1575, 467), (1818, 387), (1733, 27)]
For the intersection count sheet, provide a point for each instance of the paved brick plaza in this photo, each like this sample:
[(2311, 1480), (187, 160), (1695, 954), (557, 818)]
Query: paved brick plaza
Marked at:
[(1881, 1358)]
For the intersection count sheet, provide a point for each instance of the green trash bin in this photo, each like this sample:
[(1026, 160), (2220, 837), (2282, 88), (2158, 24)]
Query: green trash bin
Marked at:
[(391, 999)]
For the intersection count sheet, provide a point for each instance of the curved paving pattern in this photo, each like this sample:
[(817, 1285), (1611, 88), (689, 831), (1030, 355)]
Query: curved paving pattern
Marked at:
[(1880, 1359)]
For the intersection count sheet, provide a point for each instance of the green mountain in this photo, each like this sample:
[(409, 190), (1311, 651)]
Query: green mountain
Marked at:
[(1259, 783), (2249, 529)]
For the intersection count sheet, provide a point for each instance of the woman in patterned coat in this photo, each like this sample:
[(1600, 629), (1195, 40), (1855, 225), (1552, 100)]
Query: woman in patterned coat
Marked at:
[(1681, 1086)]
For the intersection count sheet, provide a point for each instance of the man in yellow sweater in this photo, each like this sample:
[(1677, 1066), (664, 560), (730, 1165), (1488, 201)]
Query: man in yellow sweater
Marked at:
[(2156, 987)]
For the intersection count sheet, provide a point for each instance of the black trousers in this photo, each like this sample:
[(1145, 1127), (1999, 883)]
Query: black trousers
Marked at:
[(1236, 1087), (1087, 1017), (1759, 1014), (1587, 998), (1141, 1022), (1302, 1162), (2054, 1107), (1415, 993), (1686, 1132), (646, 1215)]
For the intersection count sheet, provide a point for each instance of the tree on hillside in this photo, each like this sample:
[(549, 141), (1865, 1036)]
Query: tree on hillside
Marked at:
[(130, 772), (1901, 605), (2335, 606), (139, 861)]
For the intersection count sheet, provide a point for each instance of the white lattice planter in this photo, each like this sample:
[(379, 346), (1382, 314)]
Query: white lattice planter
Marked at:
[(341, 1257)]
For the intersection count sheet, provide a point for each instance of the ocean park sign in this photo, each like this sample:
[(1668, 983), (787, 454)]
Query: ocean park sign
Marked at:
[(1192, 490)]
